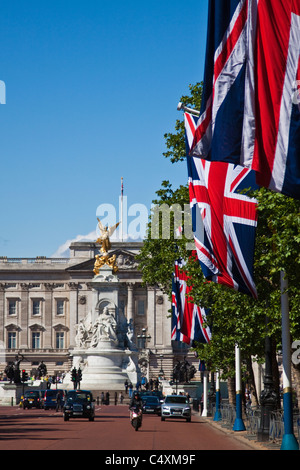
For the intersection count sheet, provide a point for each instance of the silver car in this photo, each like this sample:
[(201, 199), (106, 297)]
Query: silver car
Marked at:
[(176, 406)]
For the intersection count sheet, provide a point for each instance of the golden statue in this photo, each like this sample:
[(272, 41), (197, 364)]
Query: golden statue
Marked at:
[(106, 232), (104, 241)]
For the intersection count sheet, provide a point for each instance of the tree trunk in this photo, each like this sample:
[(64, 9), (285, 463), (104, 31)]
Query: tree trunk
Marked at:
[(231, 390), (275, 373), (251, 383)]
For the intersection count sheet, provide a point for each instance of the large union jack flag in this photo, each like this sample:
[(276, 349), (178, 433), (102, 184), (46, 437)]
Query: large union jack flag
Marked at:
[(188, 320), (224, 218), (250, 111)]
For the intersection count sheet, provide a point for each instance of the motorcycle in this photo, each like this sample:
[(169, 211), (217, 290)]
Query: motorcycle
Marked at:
[(136, 417)]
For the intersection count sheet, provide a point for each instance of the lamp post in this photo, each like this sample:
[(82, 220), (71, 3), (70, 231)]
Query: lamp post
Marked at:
[(161, 372), (268, 397), (143, 338)]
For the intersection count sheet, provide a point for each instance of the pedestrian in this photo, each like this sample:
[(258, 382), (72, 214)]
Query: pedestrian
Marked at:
[(116, 398), (121, 398), (130, 389), (59, 402), (102, 398), (107, 398), (126, 386)]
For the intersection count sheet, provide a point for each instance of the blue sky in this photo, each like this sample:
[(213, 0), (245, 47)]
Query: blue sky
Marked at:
[(91, 88)]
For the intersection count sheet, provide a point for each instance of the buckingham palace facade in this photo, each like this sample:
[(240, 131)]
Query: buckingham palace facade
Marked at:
[(42, 300)]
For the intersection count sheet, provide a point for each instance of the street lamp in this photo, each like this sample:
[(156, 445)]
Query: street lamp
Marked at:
[(143, 338), (161, 372)]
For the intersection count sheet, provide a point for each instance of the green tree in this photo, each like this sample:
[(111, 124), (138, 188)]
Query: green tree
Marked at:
[(235, 317)]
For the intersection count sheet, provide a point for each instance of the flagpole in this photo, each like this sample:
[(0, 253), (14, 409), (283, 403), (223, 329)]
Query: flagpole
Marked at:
[(121, 208), (181, 107), (218, 415), (289, 442), (238, 424), (204, 411)]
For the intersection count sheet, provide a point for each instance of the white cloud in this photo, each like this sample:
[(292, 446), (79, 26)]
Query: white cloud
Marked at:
[(63, 250)]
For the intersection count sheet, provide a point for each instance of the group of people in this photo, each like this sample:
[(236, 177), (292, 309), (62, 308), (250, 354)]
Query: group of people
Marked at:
[(105, 398), (153, 384)]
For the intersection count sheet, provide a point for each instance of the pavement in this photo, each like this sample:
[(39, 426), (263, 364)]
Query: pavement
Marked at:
[(242, 436)]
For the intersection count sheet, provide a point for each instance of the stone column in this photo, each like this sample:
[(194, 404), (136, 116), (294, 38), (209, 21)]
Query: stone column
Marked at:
[(48, 336), (2, 311), (151, 316), (24, 315), (73, 311), (130, 304)]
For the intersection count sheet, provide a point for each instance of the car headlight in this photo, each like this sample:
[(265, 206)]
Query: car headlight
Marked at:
[(88, 407)]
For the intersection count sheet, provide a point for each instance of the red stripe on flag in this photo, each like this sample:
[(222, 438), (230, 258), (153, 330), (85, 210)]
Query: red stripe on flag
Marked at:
[(273, 30)]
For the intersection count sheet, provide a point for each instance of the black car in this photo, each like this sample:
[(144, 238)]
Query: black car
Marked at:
[(152, 393), (79, 404), (32, 398), (151, 404)]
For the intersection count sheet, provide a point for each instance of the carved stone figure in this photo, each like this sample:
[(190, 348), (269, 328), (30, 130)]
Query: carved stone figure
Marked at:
[(104, 328)]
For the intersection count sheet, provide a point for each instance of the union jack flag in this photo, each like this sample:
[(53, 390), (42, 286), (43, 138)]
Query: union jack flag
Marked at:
[(250, 112), (224, 219), (188, 320)]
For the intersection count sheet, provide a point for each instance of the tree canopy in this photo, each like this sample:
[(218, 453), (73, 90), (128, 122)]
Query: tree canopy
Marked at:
[(234, 317)]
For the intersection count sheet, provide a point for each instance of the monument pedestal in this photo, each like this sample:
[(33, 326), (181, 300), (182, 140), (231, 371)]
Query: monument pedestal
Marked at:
[(102, 351)]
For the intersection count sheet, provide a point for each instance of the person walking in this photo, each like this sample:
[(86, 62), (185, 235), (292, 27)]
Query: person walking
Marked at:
[(59, 402)]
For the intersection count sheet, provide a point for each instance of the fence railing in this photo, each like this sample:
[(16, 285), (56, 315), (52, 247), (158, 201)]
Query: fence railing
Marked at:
[(252, 421)]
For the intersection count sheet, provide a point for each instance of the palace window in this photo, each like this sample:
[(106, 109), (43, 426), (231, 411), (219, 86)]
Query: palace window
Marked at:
[(36, 307), (141, 307), (12, 340), (12, 307), (60, 340), (36, 340), (60, 307)]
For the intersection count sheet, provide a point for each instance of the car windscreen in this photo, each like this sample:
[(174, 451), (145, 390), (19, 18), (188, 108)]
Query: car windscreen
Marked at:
[(151, 400), (71, 396), (181, 400), (52, 393), (31, 394)]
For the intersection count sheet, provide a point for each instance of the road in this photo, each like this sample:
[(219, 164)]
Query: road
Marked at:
[(111, 431)]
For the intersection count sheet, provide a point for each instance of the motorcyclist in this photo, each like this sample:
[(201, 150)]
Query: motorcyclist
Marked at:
[(136, 407), (136, 401)]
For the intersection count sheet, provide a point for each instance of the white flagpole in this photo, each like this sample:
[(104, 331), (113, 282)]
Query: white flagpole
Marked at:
[(238, 424), (121, 208), (204, 411), (218, 416), (289, 442)]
